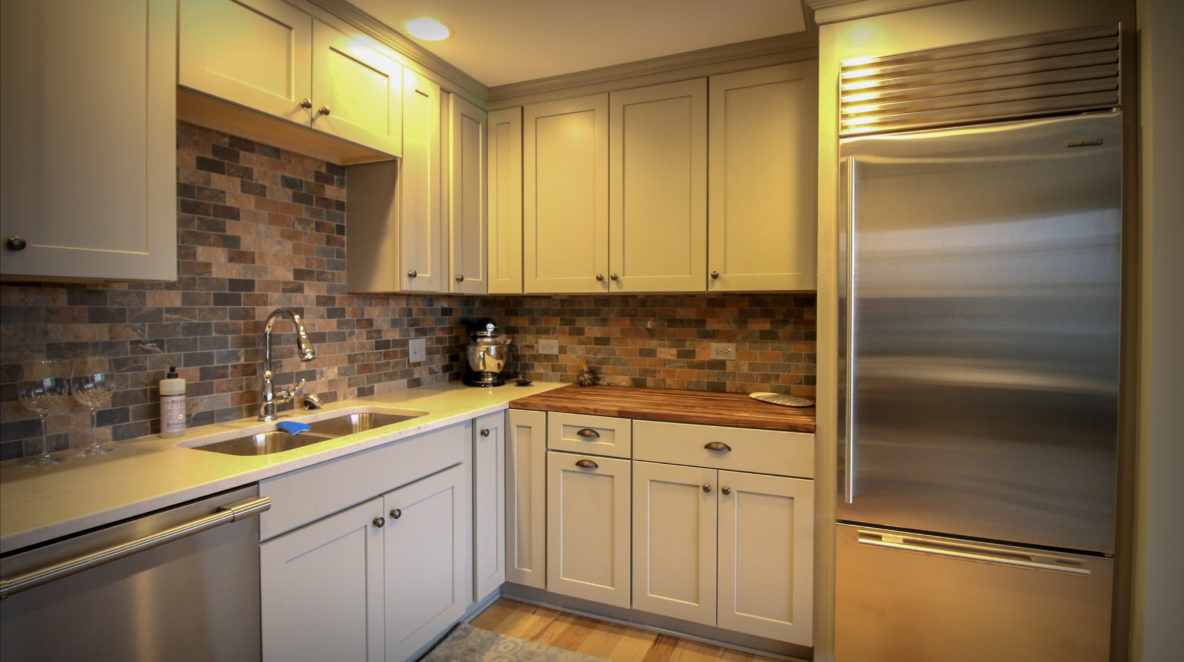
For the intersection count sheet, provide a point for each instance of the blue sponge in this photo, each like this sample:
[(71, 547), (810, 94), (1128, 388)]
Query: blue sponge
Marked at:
[(292, 427)]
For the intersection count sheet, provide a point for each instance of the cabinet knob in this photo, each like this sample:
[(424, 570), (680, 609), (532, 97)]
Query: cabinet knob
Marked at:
[(412, 273), (707, 488), (726, 490), (323, 110), (15, 243), (484, 432), (396, 513), (587, 464), (613, 277), (717, 446), (378, 522), (600, 277), (714, 274), (588, 433), (460, 277), (306, 104)]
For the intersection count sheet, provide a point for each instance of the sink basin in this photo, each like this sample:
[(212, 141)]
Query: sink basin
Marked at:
[(275, 441), (339, 426)]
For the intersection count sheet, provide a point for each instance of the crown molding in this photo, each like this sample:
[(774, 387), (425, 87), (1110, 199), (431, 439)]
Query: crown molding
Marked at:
[(835, 11), (706, 61)]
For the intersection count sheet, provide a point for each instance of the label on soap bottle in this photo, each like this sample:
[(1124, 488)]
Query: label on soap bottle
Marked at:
[(172, 415)]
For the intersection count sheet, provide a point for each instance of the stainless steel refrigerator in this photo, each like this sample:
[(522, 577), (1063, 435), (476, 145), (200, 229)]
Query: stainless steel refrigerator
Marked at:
[(979, 402)]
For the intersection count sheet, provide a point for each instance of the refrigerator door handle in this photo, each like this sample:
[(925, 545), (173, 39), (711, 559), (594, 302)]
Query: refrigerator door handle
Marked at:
[(971, 552), (848, 337)]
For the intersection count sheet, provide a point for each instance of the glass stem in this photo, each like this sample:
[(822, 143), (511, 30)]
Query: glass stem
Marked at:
[(94, 427), (44, 437)]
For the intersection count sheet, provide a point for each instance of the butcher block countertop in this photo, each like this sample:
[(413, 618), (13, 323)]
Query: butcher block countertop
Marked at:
[(734, 409)]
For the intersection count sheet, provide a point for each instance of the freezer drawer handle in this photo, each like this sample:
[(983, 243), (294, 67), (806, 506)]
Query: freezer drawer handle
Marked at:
[(231, 512), (971, 553)]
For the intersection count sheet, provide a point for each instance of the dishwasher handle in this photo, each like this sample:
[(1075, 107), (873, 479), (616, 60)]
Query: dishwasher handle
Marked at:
[(231, 512)]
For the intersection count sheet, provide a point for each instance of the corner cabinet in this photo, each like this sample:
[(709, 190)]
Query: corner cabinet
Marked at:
[(762, 215), (504, 207), (67, 211)]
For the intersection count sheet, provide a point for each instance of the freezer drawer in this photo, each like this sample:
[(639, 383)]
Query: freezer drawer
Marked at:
[(902, 596)]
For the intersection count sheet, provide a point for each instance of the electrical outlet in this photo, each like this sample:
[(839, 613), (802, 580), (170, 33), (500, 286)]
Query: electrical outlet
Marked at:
[(548, 346), (417, 350), (723, 350)]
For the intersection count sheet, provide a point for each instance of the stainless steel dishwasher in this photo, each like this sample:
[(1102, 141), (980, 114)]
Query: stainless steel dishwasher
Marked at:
[(178, 584)]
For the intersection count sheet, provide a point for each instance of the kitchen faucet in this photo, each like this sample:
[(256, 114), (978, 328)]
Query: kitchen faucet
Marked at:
[(267, 394)]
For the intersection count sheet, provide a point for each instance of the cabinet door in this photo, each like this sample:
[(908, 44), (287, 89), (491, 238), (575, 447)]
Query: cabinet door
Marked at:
[(526, 498), (466, 196), (588, 527), (357, 92), (565, 195), (321, 589), (505, 201), (427, 568), (88, 140), (253, 52), (674, 546), (762, 213), (766, 556), (421, 187), (658, 188), (489, 504)]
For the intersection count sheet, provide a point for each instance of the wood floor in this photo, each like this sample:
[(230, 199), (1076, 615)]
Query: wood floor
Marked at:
[(598, 638)]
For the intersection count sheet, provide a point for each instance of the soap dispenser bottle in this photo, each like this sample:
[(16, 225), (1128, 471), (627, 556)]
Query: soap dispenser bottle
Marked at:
[(172, 405)]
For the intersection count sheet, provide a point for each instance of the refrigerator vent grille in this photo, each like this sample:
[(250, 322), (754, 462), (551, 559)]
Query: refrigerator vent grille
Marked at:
[(1051, 73)]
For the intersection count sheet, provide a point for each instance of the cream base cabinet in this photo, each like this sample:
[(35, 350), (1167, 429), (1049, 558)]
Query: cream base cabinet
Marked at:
[(467, 229), (588, 527), (504, 170), (321, 596), (88, 140), (489, 504), (422, 207), (762, 179), (526, 498), (658, 188), (565, 195), (426, 560)]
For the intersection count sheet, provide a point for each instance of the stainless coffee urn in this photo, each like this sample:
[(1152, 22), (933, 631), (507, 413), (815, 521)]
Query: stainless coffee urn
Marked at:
[(487, 354)]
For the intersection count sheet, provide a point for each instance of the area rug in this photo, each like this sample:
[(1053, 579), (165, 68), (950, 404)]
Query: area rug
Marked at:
[(467, 643)]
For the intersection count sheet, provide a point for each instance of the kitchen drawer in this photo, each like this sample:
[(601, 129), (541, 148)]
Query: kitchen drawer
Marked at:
[(306, 495), (744, 449), (583, 433)]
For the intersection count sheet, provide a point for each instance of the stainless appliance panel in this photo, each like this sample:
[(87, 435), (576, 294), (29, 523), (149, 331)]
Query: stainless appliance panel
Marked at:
[(981, 325), (194, 598), (900, 596)]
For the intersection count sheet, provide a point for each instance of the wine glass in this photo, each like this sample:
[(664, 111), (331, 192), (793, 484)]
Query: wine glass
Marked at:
[(44, 388), (92, 385)]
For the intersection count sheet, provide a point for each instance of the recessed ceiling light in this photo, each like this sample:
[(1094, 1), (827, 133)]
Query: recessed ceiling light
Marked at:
[(428, 28)]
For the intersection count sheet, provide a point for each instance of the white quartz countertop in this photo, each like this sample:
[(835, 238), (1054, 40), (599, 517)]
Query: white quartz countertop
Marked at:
[(38, 504)]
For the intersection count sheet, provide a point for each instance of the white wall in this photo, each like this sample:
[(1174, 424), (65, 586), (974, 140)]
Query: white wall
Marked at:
[(1158, 591)]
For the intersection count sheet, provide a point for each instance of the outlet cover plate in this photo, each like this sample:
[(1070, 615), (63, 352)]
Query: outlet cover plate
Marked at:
[(723, 350), (548, 346), (417, 350)]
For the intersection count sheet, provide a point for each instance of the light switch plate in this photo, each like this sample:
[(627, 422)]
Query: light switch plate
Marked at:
[(417, 350), (548, 346), (723, 350)]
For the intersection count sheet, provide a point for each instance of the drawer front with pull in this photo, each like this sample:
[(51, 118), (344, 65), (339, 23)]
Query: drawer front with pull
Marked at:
[(583, 433), (734, 449)]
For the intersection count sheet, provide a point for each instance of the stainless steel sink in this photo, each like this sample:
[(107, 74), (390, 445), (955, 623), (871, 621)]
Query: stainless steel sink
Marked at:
[(278, 441), (275, 441), (339, 426)]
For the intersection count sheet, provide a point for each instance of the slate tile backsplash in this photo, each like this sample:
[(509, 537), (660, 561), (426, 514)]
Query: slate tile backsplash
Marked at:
[(260, 228)]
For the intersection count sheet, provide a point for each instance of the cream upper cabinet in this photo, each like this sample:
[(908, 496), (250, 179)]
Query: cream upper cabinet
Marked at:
[(762, 212), (424, 251), (526, 498), (504, 187), (88, 144), (273, 57), (658, 188), (565, 195), (257, 53), (467, 227), (356, 91)]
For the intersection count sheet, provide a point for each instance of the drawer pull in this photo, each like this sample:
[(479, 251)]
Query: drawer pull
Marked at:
[(726, 490), (587, 464), (588, 433), (707, 488), (717, 446)]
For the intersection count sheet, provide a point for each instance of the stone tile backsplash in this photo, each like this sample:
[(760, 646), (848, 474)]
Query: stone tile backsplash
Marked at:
[(259, 228)]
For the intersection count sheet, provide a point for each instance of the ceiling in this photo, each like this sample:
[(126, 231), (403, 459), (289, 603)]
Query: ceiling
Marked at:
[(509, 41)]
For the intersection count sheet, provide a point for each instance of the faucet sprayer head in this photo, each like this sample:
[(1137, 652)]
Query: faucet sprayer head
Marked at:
[(303, 344)]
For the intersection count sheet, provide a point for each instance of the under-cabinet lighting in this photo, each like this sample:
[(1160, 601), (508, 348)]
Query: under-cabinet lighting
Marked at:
[(427, 28)]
